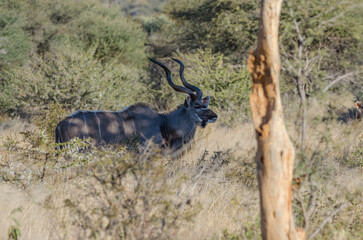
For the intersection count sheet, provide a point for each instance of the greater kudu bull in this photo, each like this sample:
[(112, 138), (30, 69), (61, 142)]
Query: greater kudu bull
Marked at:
[(170, 131)]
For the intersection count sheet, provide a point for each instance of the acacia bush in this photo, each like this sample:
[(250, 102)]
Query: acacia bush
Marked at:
[(14, 43), (229, 27), (71, 80), (155, 24), (114, 37), (225, 26), (329, 48), (81, 55), (52, 25)]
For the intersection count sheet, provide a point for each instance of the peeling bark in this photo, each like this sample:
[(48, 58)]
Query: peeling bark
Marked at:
[(275, 152)]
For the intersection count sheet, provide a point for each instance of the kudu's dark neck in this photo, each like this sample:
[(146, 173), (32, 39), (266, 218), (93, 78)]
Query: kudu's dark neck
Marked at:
[(177, 128)]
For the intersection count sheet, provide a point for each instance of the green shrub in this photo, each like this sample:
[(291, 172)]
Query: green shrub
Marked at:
[(83, 56), (226, 26), (14, 43), (113, 36), (53, 25), (331, 45), (71, 80), (155, 24)]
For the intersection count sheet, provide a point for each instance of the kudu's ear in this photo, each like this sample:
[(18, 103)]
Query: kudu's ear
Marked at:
[(205, 101), (188, 101)]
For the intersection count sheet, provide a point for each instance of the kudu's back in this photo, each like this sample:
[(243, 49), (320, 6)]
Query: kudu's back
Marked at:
[(107, 127)]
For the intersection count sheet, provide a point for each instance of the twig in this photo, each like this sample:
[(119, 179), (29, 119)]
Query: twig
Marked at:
[(310, 63), (306, 217), (300, 82), (338, 79), (312, 201), (289, 65), (326, 220), (301, 39)]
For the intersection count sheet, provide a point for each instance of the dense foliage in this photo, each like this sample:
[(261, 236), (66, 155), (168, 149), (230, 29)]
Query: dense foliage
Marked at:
[(70, 80), (14, 43), (79, 55), (330, 41), (74, 53), (226, 26)]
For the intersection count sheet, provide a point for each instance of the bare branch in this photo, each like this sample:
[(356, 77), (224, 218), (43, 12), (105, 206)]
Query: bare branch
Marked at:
[(301, 39), (339, 79), (300, 78), (312, 201), (299, 35), (306, 217), (291, 68), (326, 220)]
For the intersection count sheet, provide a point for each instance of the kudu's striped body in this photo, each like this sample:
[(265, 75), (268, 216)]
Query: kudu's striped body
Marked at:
[(170, 131)]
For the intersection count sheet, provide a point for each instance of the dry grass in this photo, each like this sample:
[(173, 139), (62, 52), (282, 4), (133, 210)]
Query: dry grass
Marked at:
[(229, 200), (216, 178)]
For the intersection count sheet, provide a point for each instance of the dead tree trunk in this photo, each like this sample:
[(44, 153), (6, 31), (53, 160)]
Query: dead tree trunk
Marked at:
[(275, 153)]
